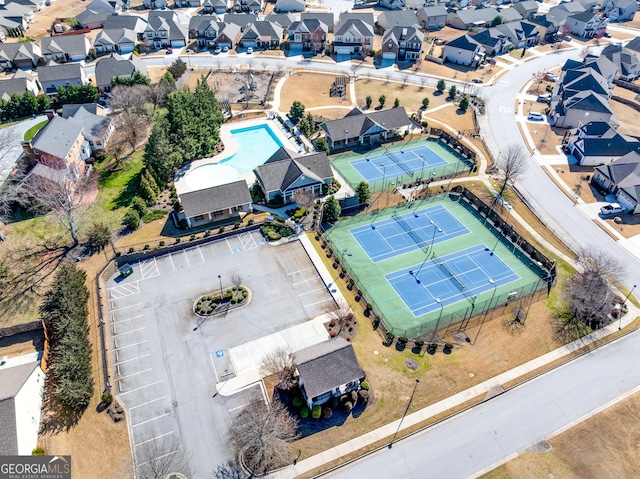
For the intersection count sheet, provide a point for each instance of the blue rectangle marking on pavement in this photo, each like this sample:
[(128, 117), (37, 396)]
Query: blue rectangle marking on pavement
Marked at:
[(414, 160), (388, 238), (426, 288)]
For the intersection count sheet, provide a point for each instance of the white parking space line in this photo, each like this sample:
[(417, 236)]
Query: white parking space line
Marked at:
[(149, 269), (304, 281), (132, 359), (125, 307), (247, 241), (186, 257), (128, 319), (171, 259), (201, 255), (238, 407), (159, 457), (127, 332), (229, 245), (299, 271), (124, 290), (152, 419), (128, 345), (317, 302), (141, 387), (135, 374), (148, 402), (153, 438), (313, 291)]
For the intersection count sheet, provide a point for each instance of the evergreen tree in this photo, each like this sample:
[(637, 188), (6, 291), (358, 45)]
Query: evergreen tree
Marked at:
[(464, 103), (441, 86), (369, 101), (425, 103), (396, 103), (331, 210), (364, 195), (98, 236), (322, 145), (453, 91), (177, 68), (382, 100), (131, 219), (296, 111)]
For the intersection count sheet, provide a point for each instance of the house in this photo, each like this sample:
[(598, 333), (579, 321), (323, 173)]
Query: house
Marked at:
[(625, 61), (621, 177), (392, 4), (415, 4), (527, 9), (15, 10), (464, 50), (25, 55), (12, 26), (432, 18), (493, 41), (570, 7), (327, 369), (586, 24), (466, 19), (35, 5), (240, 19), (21, 83), (21, 393), (155, 4), (520, 34), (327, 18), (65, 48), (54, 75), (619, 10), (247, 6), (119, 40), (548, 26), (597, 143), (283, 175), (261, 34), (358, 128), (228, 36), (127, 22), (188, 3), (580, 108), (96, 13), (164, 30), (353, 36), (205, 29), (214, 6), (217, 203), (114, 66), (283, 19), (395, 18), (309, 34), (403, 44), (97, 127), (509, 15), (284, 6)]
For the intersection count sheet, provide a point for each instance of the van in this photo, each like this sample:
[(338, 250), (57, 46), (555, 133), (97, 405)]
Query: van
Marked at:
[(535, 116)]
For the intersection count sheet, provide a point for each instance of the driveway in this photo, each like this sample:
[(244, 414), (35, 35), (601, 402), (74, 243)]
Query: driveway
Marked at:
[(9, 157)]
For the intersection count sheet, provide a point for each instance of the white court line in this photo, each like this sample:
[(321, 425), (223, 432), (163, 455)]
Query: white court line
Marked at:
[(142, 387), (131, 345), (239, 407), (128, 332), (318, 302), (124, 307), (299, 271), (313, 291), (153, 438), (132, 359), (186, 257), (128, 319), (201, 255), (135, 374), (149, 420), (148, 402), (159, 457)]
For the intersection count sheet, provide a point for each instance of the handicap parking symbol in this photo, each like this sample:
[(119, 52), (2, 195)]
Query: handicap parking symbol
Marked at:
[(238, 250), (261, 243), (219, 353)]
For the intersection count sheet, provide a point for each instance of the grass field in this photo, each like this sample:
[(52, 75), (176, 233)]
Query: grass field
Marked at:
[(31, 132), (387, 303), (312, 89)]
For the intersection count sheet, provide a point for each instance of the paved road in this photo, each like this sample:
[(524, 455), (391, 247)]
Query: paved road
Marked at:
[(473, 441), (8, 158)]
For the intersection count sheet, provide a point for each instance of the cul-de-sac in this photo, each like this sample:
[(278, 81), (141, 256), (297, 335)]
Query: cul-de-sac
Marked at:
[(319, 238)]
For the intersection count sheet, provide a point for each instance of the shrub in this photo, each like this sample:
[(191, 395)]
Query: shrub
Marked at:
[(403, 340), (346, 406), (130, 250), (316, 412), (327, 412), (131, 219), (363, 396), (139, 205), (419, 343), (146, 247), (333, 402), (250, 222), (236, 225), (364, 385), (304, 412), (39, 451), (354, 396), (161, 243), (297, 401), (448, 346), (182, 224)]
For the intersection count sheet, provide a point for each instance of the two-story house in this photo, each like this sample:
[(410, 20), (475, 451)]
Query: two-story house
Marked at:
[(353, 36), (396, 18), (53, 75), (164, 30), (22, 82), (619, 10), (96, 13), (65, 48), (621, 177), (247, 6), (432, 18), (261, 34), (115, 65), (598, 143), (287, 6), (210, 7), (463, 50), (20, 55), (527, 9), (98, 127), (204, 29), (493, 41), (586, 24), (118, 40), (402, 44), (309, 34), (625, 60)]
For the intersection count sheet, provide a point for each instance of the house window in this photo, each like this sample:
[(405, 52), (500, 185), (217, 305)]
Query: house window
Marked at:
[(199, 218)]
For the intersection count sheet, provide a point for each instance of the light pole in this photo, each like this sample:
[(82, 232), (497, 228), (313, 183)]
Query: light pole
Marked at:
[(405, 413), (439, 317), (495, 286), (433, 237), (346, 138), (220, 280), (384, 175), (422, 169), (625, 300)]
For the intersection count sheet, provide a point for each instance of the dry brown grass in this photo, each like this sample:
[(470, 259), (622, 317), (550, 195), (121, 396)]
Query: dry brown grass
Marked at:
[(59, 9), (603, 446), (312, 89), (410, 96), (546, 138), (628, 117)]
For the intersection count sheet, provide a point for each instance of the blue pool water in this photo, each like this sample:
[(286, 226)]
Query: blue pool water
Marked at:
[(256, 144)]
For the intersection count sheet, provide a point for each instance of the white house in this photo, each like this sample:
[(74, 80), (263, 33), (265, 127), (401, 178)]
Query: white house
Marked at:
[(464, 50), (21, 389), (284, 6), (586, 24)]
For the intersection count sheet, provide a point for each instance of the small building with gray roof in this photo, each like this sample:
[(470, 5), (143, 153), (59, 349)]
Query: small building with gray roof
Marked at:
[(218, 203), (621, 177)]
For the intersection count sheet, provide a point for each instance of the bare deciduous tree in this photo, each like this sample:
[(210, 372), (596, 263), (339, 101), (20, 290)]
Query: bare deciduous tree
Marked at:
[(229, 470), (8, 139), (129, 99), (134, 128), (512, 163), (304, 197), (236, 279), (261, 435), (279, 362), (159, 458)]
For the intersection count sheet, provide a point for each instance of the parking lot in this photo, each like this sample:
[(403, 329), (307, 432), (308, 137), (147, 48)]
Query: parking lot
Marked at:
[(167, 361)]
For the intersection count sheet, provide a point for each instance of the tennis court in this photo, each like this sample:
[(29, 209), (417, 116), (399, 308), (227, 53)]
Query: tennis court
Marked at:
[(407, 232), (444, 281), (391, 164)]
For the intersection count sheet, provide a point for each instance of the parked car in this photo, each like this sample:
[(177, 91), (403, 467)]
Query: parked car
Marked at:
[(607, 35), (477, 80), (550, 76), (225, 49), (535, 116), (217, 50), (169, 50), (544, 99), (249, 50), (612, 209)]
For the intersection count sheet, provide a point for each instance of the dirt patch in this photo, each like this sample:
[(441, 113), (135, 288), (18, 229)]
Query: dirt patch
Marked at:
[(628, 117), (234, 87), (45, 18), (546, 138), (574, 175), (610, 451), (312, 89), (627, 225), (410, 96)]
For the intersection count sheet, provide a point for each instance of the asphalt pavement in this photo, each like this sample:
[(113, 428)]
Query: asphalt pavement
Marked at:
[(9, 156)]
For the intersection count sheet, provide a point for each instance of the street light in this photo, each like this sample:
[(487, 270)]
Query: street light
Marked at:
[(439, 317), (495, 287), (422, 169), (433, 237), (405, 413), (220, 280), (625, 300)]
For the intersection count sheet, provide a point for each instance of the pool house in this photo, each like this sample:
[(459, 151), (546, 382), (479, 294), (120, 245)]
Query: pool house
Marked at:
[(218, 203)]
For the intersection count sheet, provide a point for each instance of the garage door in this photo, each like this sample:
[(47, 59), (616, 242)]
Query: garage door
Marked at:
[(388, 55), (625, 202), (343, 50)]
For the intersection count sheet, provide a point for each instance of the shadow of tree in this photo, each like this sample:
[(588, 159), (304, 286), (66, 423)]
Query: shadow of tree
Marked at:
[(58, 419), (124, 198)]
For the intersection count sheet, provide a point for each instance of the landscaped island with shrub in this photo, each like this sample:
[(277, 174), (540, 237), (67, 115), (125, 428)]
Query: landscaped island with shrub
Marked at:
[(211, 304)]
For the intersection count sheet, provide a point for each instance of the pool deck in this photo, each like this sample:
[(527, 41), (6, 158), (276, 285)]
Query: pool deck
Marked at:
[(230, 149)]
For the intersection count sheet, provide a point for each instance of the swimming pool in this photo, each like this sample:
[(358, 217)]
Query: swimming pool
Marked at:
[(256, 144)]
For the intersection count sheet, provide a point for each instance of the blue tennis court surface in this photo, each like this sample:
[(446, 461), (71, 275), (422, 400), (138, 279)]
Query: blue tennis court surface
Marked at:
[(397, 163), (449, 279), (408, 232)]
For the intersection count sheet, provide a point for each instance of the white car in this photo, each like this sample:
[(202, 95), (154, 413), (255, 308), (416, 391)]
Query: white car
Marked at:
[(535, 116), (612, 209), (249, 50)]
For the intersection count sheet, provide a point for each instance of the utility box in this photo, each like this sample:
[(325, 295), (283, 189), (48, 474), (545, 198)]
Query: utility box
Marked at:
[(125, 270)]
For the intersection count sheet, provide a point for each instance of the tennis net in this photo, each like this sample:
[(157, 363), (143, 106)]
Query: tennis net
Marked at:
[(452, 275), (414, 236), (400, 163)]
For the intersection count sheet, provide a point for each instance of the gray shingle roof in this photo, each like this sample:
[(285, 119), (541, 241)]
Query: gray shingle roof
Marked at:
[(406, 34), (625, 171), (357, 123), (12, 379), (402, 18), (168, 19), (216, 198), (279, 173), (9, 436), (57, 137), (54, 72), (362, 27), (241, 19), (464, 42), (327, 18), (85, 116), (11, 86), (200, 22), (435, 11), (327, 366), (70, 44), (116, 66), (12, 51), (582, 16), (130, 22)]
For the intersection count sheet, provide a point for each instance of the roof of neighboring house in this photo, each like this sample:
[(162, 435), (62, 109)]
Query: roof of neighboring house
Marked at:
[(491, 37), (327, 18), (282, 19), (464, 42), (85, 116), (482, 15), (279, 172), (573, 7), (201, 22), (241, 19), (366, 17), (327, 366), (518, 31), (526, 6), (403, 18), (509, 15), (57, 137), (363, 28), (56, 72), (123, 20), (624, 171), (230, 30), (588, 101), (216, 198), (65, 44), (12, 86), (168, 20), (96, 11), (633, 45), (435, 11), (583, 80), (308, 25), (263, 29), (19, 51), (583, 16), (357, 123), (12, 379), (299, 4), (116, 36), (117, 66), (405, 34), (623, 58)]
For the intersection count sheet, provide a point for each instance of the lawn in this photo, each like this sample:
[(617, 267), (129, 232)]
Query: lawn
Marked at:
[(410, 96), (312, 90), (31, 132)]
